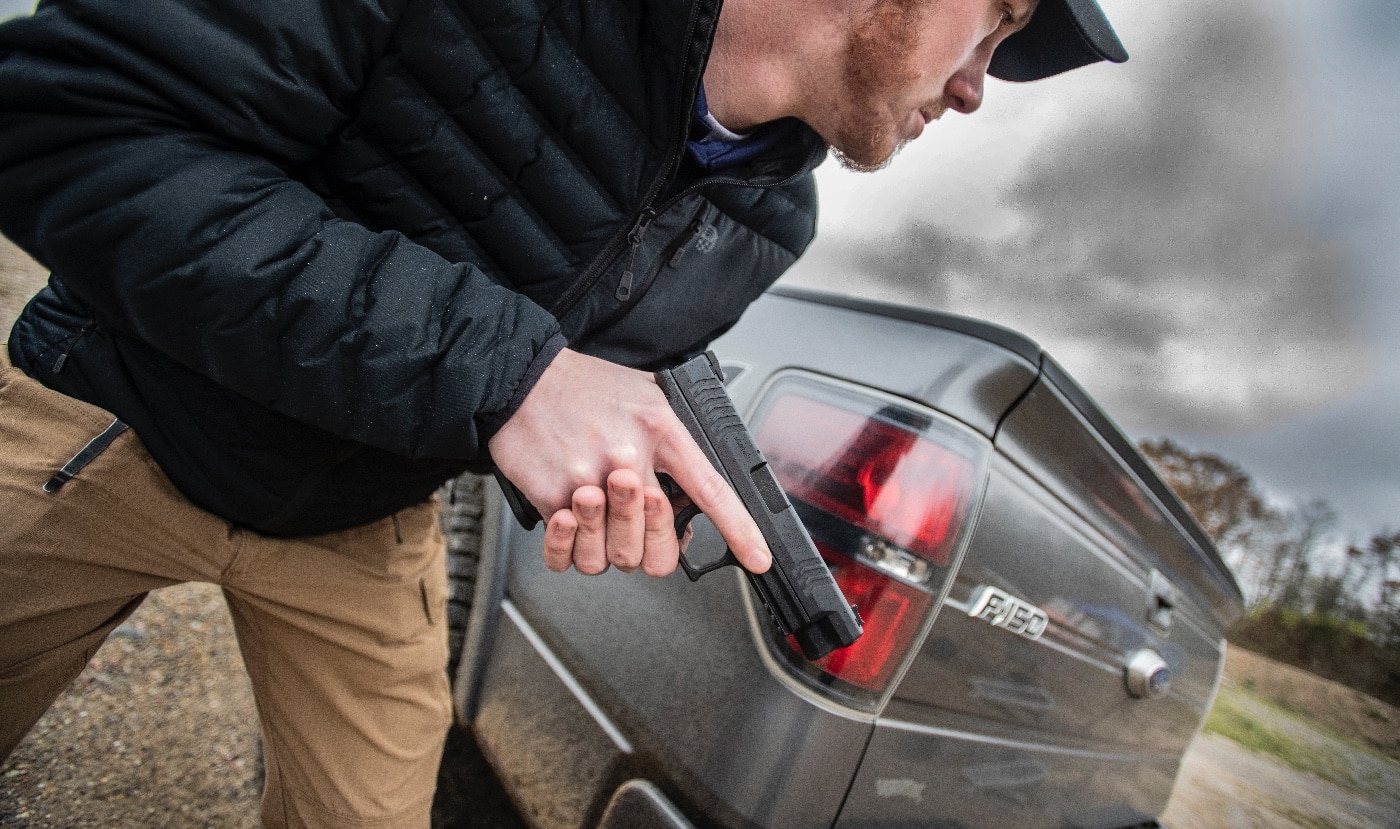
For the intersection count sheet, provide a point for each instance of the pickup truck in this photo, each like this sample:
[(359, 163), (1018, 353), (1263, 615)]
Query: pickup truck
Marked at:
[(1044, 620)]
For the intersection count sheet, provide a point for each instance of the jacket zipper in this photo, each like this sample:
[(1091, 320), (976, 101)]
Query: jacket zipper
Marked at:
[(590, 277), (632, 235), (678, 247), (62, 361), (671, 256), (690, 231), (650, 210), (629, 289), (634, 238)]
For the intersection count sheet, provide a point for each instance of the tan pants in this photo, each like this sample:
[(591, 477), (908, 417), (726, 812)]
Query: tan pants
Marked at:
[(344, 634)]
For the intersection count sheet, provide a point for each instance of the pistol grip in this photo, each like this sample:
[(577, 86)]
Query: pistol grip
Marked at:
[(525, 512)]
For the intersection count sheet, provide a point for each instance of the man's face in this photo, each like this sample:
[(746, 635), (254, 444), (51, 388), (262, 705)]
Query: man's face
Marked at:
[(907, 62)]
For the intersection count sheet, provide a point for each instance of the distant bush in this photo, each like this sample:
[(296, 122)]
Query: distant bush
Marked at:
[(1337, 649)]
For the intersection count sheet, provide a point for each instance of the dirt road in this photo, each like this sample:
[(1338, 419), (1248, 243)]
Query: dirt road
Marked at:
[(1223, 786), (1336, 741)]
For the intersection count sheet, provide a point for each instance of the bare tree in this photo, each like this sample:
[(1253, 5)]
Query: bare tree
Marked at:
[(1287, 563), (1385, 555), (1219, 493), (1366, 574), (1385, 621)]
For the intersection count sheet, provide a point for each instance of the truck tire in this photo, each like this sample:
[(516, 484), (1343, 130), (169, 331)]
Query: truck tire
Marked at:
[(463, 503), (469, 795)]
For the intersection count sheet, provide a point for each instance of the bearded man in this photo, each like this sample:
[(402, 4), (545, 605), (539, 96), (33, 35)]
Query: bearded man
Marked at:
[(309, 260)]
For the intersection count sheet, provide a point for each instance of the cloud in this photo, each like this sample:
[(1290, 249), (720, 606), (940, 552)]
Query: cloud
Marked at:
[(12, 8), (1346, 454), (1145, 229)]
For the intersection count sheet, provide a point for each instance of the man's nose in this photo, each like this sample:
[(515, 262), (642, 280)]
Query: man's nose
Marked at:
[(963, 91)]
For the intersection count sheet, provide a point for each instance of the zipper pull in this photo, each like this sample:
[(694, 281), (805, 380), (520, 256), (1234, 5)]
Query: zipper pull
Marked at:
[(685, 241), (643, 220), (624, 286), (62, 361), (634, 238)]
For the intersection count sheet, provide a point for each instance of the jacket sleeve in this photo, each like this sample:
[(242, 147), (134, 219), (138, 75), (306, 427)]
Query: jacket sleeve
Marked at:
[(145, 158)]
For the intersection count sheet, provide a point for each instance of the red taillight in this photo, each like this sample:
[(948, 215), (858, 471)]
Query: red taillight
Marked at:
[(878, 475), (892, 612), (898, 489)]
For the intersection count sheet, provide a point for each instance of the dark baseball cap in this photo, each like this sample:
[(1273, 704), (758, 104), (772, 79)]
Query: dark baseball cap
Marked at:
[(1062, 35)]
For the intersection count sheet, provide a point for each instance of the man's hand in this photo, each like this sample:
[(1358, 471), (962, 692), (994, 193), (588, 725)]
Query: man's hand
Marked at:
[(585, 448)]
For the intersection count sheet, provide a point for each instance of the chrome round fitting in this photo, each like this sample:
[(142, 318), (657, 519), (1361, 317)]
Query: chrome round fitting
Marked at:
[(1147, 674)]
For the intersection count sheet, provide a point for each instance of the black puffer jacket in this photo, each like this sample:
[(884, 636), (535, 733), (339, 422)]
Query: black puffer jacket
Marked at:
[(316, 252)]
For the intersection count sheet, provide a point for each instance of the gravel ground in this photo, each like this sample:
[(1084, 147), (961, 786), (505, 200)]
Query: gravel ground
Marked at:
[(158, 731), (1223, 786)]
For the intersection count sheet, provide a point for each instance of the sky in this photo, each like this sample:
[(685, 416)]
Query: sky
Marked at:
[(1206, 237)]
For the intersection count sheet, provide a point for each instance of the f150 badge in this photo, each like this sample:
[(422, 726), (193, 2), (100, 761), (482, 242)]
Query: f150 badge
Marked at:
[(1006, 611)]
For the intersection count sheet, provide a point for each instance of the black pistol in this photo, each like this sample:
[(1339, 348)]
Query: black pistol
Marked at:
[(798, 590)]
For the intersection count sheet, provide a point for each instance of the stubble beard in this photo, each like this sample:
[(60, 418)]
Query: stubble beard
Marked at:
[(866, 138)]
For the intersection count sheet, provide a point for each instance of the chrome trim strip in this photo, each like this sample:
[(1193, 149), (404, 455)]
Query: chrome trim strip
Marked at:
[(1019, 745), (565, 677)]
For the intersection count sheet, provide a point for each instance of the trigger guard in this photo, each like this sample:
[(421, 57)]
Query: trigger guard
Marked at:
[(694, 573), (683, 519)]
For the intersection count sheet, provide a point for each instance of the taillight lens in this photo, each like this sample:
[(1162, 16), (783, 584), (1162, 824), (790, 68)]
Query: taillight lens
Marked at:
[(892, 612), (885, 491), (875, 473)]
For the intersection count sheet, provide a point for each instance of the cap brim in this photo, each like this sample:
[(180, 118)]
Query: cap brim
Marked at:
[(1062, 35)]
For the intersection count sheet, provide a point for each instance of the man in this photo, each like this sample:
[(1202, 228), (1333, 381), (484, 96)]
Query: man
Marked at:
[(309, 260)]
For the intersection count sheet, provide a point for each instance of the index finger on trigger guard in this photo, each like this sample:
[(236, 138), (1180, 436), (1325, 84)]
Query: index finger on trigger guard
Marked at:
[(712, 494)]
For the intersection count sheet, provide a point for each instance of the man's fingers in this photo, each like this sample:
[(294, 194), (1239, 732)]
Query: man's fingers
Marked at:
[(598, 530), (662, 550), (559, 541), (590, 553), (626, 523), (685, 463)]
